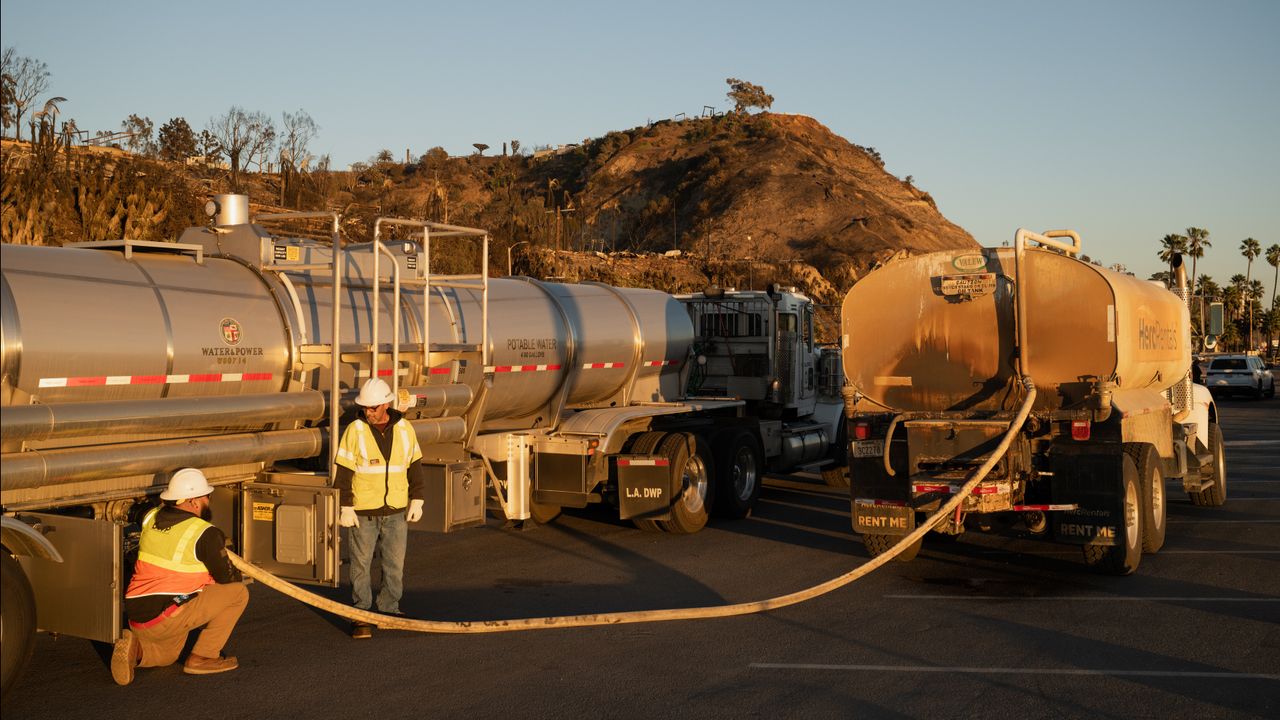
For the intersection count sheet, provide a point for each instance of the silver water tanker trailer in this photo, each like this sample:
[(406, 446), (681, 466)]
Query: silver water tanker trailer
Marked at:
[(238, 350)]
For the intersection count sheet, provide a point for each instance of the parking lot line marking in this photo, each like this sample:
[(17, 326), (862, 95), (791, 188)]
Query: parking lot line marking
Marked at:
[(1084, 597), (1162, 552), (1226, 521), (1015, 671)]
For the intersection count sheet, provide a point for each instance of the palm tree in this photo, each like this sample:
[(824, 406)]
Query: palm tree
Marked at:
[(1172, 244), (1209, 289), (1197, 242), (1250, 249), (1273, 259)]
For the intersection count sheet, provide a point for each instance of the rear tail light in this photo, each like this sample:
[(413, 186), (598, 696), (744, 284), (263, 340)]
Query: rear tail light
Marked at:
[(862, 431), (1080, 429)]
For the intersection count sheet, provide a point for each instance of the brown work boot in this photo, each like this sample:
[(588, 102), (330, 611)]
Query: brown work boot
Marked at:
[(361, 630), (124, 659), (201, 665)]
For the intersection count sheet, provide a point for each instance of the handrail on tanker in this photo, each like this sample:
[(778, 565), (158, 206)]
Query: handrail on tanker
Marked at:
[(1048, 238), (335, 358), (379, 248), (442, 230)]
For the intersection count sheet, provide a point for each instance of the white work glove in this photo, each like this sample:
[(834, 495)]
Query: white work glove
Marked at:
[(348, 518), (415, 511)]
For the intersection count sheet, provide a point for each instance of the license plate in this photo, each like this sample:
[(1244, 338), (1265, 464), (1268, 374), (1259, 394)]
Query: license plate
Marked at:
[(868, 448)]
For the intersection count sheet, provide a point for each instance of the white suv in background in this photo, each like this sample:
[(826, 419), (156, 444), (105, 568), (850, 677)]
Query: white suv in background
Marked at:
[(1240, 374)]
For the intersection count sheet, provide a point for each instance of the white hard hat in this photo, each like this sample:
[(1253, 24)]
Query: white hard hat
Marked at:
[(185, 484), (374, 392)]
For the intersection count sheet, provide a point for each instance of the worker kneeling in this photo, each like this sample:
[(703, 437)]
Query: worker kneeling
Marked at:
[(379, 475), (183, 580)]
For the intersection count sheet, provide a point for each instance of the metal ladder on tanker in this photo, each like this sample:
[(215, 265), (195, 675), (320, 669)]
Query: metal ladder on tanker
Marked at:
[(336, 353)]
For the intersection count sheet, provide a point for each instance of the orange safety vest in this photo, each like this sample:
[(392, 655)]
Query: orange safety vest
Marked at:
[(379, 481), (167, 562)]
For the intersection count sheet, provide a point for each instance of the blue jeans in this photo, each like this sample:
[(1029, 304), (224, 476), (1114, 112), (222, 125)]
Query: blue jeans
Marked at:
[(390, 535)]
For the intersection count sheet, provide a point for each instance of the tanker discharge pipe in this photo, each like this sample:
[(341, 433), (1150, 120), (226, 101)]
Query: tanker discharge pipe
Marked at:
[(42, 468)]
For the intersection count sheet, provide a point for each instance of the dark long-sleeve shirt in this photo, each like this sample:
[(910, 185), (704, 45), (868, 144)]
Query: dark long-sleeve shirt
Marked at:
[(210, 550), (384, 436)]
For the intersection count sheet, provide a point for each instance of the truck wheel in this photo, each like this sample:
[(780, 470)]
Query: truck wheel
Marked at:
[(1215, 495), (543, 513), (18, 624), (880, 544), (691, 463), (837, 474), (1154, 507), (739, 464), (1123, 557), (837, 477), (646, 444)]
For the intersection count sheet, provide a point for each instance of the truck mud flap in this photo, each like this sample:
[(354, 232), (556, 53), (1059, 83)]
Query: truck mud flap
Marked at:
[(645, 487), (880, 518), (1094, 481)]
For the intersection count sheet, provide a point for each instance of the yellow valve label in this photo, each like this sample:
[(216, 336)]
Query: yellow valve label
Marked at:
[(264, 511)]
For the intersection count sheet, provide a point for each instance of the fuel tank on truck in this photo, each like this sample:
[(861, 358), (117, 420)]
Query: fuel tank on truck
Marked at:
[(938, 332)]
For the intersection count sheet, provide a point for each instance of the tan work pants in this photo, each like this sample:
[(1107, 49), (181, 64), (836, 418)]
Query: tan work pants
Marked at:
[(217, 607)]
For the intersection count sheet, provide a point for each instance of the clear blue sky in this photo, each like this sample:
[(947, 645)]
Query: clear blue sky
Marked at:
[(1124, 120)]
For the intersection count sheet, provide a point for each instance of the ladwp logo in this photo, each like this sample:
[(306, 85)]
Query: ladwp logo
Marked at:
[(1154, 336)]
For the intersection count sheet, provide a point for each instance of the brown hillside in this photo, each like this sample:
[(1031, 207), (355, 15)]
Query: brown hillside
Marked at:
[(797, 189), (747, 199)]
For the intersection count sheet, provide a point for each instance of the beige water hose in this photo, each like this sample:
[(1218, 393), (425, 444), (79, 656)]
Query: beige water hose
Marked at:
[(638, 616)]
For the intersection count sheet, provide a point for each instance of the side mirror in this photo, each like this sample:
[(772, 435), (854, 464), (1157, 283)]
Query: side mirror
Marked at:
[(1215, 326)]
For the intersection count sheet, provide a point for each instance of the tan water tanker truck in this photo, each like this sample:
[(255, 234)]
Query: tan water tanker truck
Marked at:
[(936, 352)]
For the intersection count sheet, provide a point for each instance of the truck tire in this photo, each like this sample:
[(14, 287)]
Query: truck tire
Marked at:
[(880, 544), (739, 462), (1215, 495), (646, 443), (1123, 557), (836, 477), (18, 628), (1154, 506), (691, 462), (837, 474)]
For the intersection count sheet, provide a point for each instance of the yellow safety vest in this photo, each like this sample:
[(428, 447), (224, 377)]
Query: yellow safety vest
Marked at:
[(379, 481), (167, 562)]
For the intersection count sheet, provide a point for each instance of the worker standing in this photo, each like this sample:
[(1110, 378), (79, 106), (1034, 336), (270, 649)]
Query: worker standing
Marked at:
[(381, 481), (182, 581)]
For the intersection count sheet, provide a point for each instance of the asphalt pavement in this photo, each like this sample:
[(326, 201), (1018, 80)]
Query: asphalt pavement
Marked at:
[(991, 625)]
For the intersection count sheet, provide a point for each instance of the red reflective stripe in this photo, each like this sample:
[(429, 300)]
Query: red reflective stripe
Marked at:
[(528, 368), (441, 371), (82, 381), (384, 373), (931, 488), (147, 379), (256, 376), (206, 377)]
